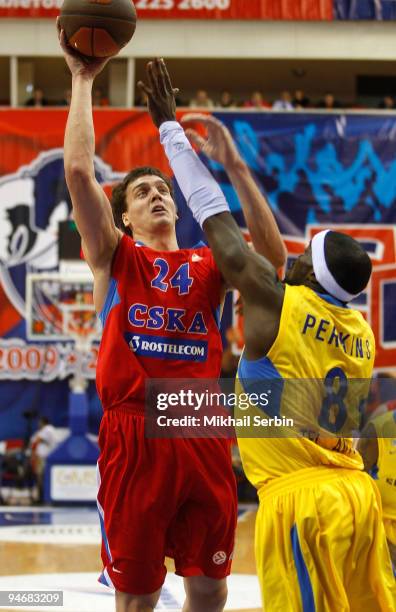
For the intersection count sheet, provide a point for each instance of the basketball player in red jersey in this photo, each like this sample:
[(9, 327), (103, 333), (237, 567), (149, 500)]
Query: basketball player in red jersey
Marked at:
[(158, 305)]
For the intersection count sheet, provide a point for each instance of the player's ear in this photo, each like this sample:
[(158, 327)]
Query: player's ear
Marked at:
[(311, 277), (125, 219)]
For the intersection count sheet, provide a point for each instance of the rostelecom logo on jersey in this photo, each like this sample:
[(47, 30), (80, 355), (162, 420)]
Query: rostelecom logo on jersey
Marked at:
[(167, 348)]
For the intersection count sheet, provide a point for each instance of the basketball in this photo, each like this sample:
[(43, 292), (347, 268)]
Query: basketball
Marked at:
[(98, 28)]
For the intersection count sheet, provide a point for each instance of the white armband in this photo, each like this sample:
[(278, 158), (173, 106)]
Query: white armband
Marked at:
[(203, 195)]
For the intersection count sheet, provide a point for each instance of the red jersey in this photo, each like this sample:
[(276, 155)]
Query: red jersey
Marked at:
[(160, 320)]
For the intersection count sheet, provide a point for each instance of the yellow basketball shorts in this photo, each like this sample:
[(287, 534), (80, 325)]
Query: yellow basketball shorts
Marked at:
[(321, 546)]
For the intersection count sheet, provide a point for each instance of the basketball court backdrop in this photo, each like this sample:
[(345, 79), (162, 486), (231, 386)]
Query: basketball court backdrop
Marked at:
[(317, 169)]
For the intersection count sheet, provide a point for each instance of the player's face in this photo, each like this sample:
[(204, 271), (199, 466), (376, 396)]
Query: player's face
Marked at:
[(150, 206), (301, 269)]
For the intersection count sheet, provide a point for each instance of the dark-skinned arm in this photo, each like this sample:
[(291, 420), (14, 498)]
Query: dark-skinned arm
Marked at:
[(254, 277), (241, 267), (232, 255), (219, 146)]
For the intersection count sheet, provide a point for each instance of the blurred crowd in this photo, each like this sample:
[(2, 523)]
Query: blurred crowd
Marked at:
[(39, 99), (286, 101)]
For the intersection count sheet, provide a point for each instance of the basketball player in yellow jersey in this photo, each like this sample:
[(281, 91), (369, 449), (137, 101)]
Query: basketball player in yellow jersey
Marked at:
[(320, 540), (378, 449)]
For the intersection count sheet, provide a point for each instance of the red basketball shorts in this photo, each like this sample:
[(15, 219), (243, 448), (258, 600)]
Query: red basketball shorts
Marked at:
[(165, 497)]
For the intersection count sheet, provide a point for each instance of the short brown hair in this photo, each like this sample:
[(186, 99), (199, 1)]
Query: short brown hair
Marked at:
[(118, 199)]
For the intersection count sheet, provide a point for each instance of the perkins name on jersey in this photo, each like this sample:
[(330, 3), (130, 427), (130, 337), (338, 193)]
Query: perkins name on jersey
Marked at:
[(323, 331)]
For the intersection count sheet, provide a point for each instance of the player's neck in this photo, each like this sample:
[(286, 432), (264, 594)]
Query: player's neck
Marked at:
[(158, 241)]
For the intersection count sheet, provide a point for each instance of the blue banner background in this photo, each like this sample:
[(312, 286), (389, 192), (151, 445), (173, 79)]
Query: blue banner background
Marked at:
[(365, 9)]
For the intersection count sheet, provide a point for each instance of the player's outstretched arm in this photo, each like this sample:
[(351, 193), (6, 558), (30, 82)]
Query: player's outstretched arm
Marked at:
[(254, 277), (220, 147), (202, 193), (241, 267), (252, 274), (91, 208)]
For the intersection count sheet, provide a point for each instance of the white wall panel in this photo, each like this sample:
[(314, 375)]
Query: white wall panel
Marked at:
[(327, 40)]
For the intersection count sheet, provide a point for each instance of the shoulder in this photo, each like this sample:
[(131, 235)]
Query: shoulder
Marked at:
[(126, 246), (366, 327), (205, 255), (200, 254)]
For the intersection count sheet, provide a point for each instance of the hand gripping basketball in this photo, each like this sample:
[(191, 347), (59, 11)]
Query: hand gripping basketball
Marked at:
[(98, 28)]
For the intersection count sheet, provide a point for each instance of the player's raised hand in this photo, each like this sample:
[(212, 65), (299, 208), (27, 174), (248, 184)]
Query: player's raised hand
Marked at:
[(160, 92), (218, 144), (79, 64)]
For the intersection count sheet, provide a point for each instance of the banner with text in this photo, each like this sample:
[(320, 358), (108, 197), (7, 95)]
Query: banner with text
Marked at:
[(190, 9), (242, 10)]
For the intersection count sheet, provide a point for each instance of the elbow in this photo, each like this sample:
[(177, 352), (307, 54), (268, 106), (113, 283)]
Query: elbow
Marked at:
[(234, 258), (76, 172)]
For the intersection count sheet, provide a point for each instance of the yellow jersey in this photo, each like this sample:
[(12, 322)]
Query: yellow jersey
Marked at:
[(318, 372), (385, 471)]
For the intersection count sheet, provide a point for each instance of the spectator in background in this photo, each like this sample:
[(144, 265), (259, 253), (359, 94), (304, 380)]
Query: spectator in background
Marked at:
[(329, 102), (201, 100), (99, 98), (300, 100), (387, 103), (226, 100), (257, 101), (284, 102), (141, 99), (42, 443), (67, 98), (37, 99)]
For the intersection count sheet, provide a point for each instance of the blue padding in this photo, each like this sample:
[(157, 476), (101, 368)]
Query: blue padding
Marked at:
[(307, 597), (112, 299), (78, 413), (261, 376)]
